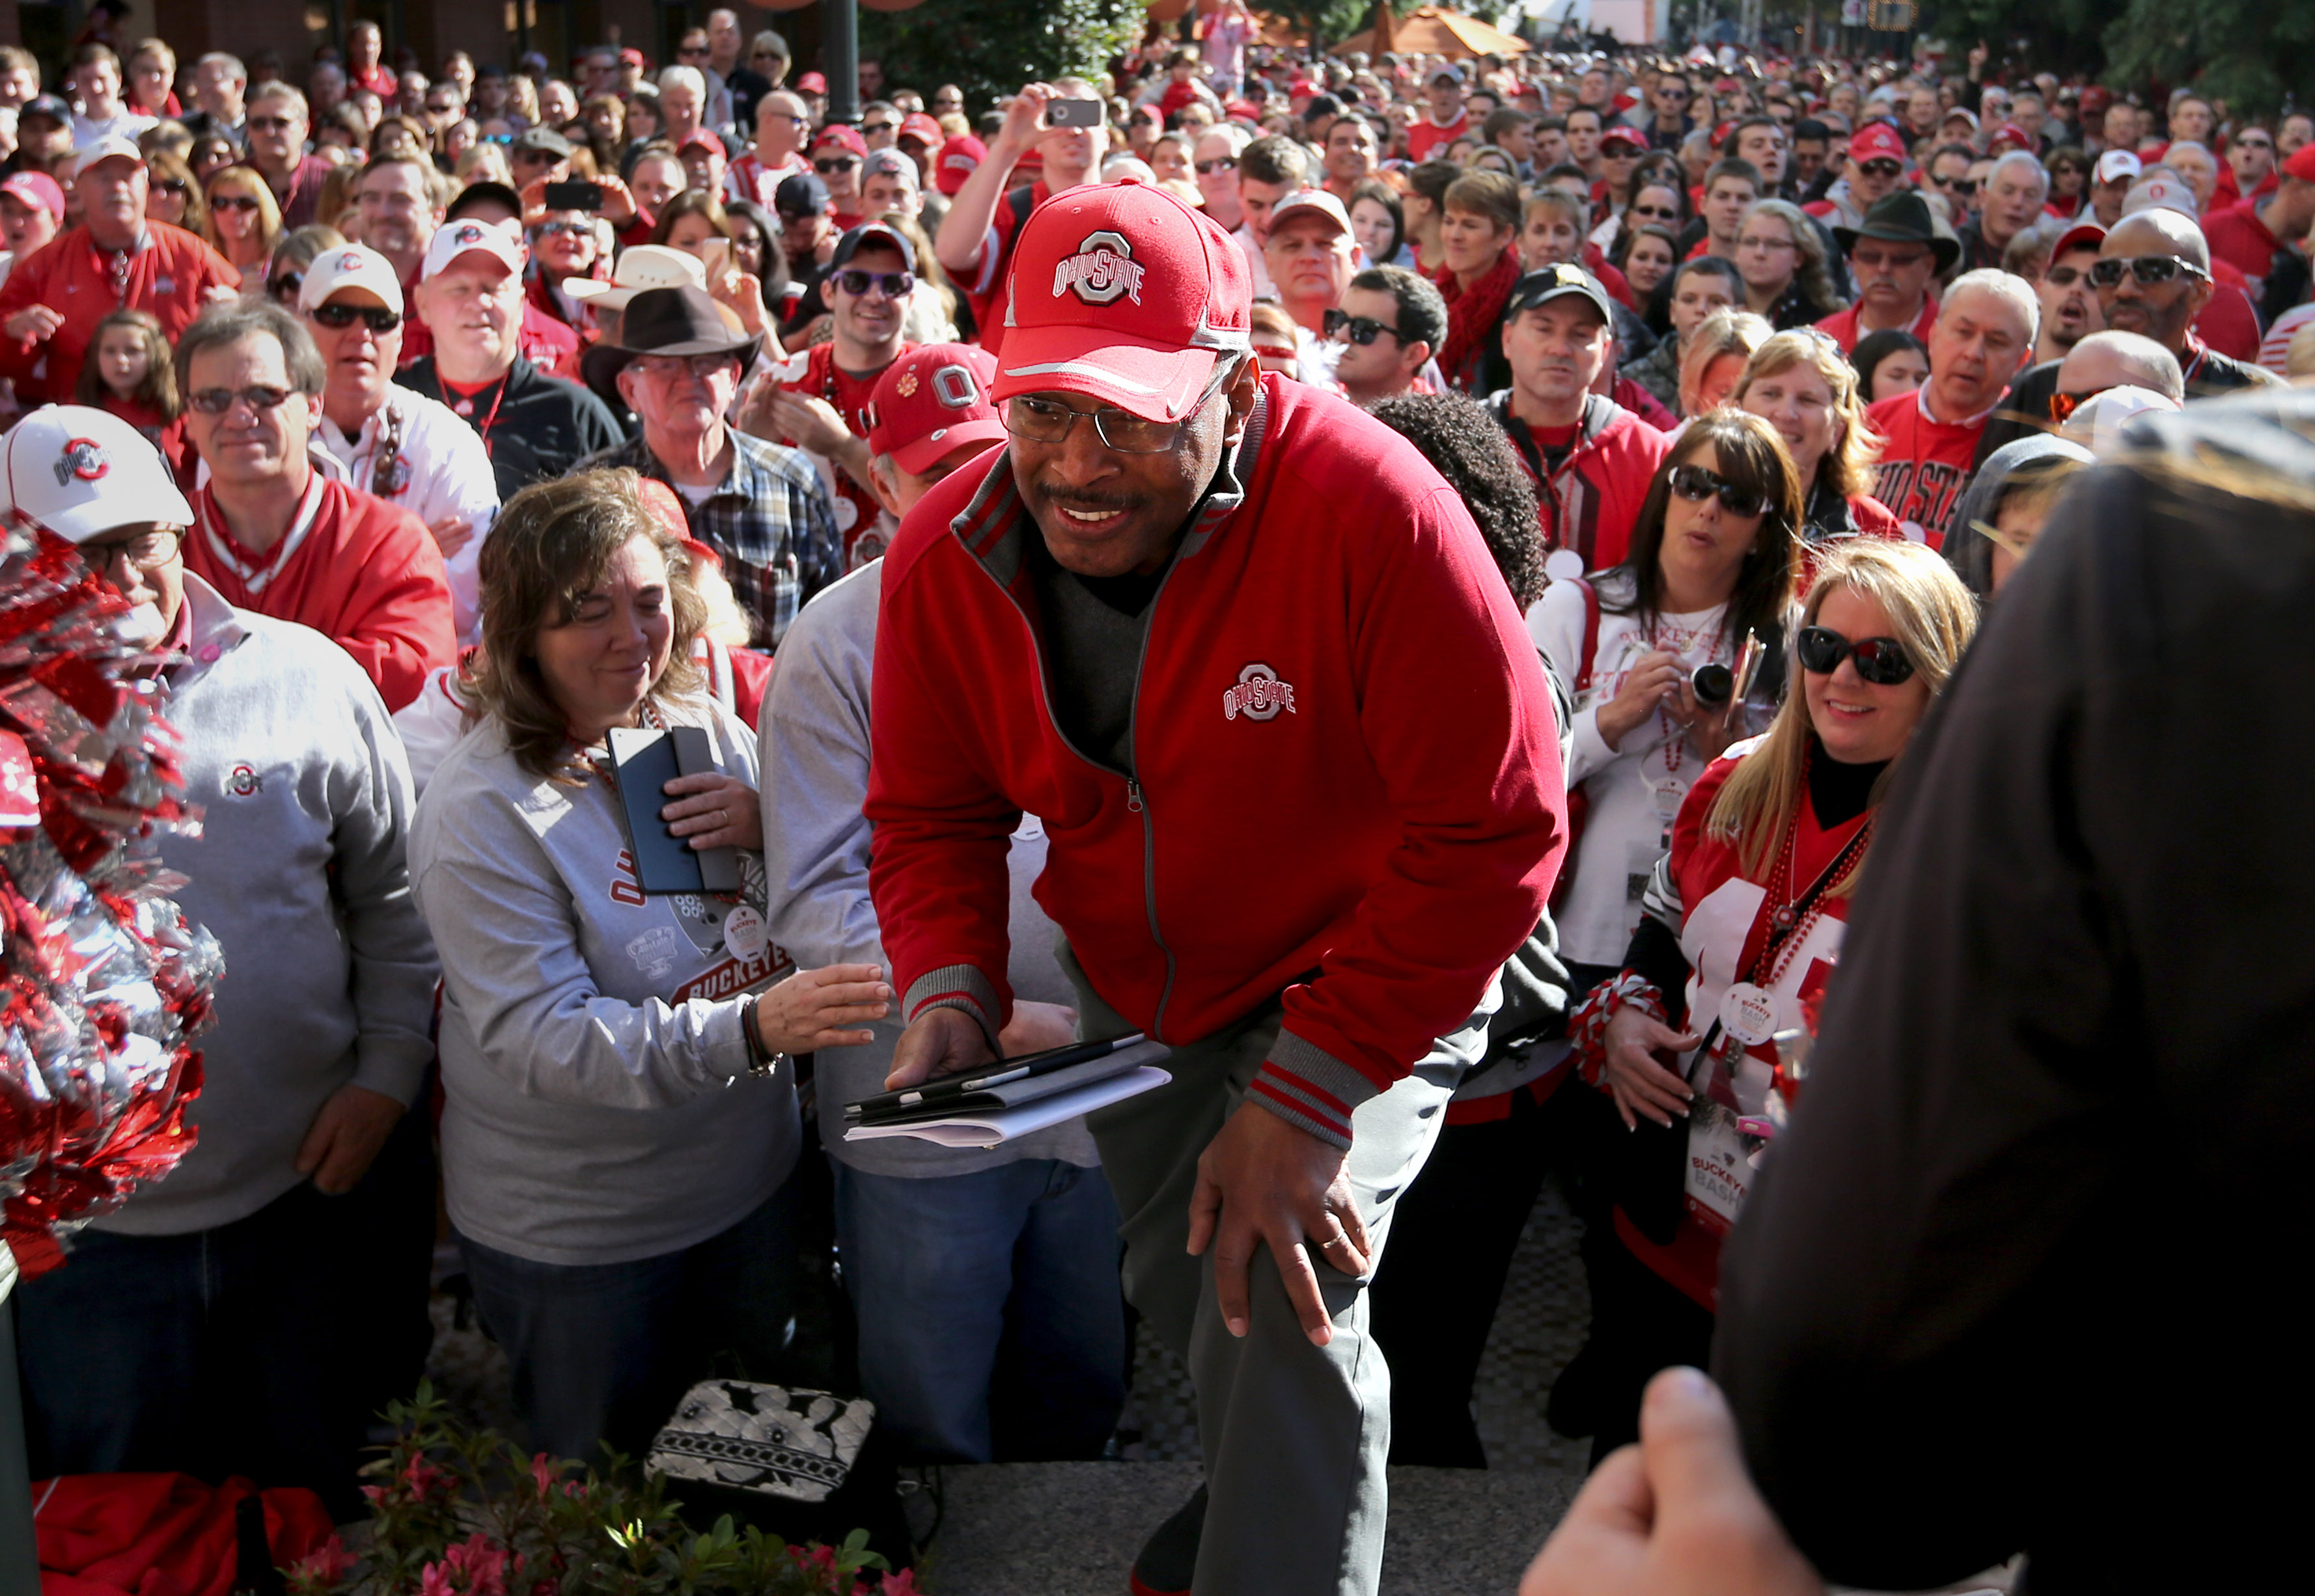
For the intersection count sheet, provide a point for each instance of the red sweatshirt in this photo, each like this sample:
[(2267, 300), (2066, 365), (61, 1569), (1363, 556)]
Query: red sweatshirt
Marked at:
[(169, 274), (355, 569), (1344, 763), (1925, 464)]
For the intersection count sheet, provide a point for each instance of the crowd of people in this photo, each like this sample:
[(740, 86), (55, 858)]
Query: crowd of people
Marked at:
[(1635, 442)]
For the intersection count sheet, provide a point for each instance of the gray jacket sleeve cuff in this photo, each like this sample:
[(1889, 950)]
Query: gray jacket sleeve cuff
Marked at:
[(1311, 1089), (954, 986), (391, 1067)]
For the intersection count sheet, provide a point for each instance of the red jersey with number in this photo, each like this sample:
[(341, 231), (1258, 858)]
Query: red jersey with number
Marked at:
[(856, 507), (1727, 917), (1925, 464)]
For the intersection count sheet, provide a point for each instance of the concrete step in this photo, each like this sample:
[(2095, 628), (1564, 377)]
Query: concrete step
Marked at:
[(1072, 1528)]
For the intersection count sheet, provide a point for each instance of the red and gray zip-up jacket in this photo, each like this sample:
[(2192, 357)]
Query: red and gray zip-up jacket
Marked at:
[(1345, 784)]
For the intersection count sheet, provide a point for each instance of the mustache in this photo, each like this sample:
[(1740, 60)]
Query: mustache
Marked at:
[(1078, 499)]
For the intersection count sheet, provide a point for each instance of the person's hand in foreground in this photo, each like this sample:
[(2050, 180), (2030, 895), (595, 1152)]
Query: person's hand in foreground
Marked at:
[(1674, 1515), (815, 1008), (1263, 1180)]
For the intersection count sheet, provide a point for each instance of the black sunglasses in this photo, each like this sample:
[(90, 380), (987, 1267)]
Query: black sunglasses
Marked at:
[(1881, 661), (1362, 330), (2149, 269), (896, 285), (1696, 484), (339, 318)]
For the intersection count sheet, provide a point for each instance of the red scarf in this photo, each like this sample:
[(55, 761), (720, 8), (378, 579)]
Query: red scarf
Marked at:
[(1472, 313)]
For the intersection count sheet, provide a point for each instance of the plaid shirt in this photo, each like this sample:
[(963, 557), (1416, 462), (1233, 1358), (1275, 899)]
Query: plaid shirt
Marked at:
[(769, 519)]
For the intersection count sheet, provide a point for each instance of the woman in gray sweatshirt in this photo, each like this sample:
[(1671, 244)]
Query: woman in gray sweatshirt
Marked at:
[(620, 1117)]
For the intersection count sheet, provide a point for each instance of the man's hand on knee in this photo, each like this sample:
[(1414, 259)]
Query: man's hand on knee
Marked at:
[(942, 1041), (1263, 1180)]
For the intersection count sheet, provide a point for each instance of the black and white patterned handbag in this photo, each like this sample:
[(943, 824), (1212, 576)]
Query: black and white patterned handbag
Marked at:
[(779, 1443)]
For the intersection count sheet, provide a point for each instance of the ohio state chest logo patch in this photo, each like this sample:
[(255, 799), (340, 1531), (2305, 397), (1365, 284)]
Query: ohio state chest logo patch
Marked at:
[(1258, 696)]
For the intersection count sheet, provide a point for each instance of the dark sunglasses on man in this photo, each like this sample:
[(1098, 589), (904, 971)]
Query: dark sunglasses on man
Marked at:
[(2150, 271), (1362, 330), (339, 318), (896, 285), (1696, 484), (1880, 660)]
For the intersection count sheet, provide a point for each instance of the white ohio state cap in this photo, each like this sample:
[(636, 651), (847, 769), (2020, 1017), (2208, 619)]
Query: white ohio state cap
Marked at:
[(80, 473)]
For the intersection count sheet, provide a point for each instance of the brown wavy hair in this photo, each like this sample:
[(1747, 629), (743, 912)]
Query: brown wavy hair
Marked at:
[(547, 550)]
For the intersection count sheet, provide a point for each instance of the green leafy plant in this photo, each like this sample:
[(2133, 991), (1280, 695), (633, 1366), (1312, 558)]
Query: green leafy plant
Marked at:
[(990, 51), (461, 1512)]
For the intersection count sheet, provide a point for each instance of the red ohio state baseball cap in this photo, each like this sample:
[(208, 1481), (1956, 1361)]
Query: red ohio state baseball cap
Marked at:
[(1123, 293), (1876, 141), (930, 401)]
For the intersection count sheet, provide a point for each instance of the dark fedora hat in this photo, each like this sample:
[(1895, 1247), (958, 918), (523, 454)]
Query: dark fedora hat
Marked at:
[(1902, 216), (684, 321)]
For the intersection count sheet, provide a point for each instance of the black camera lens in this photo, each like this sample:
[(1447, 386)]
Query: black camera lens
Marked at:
[(1713, 684)]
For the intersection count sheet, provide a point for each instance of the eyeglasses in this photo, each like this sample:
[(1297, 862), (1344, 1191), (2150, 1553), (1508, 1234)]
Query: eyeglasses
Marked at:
[(672, 367), (339, 318), (1880, 660), (232, 202), (2149, 269), (1696, 484), (896, 285), (835, 163), (1362, 330), (1218, 163), (217, 401), (1048, 420), (1883, 168), (145, 551), (285, 287)]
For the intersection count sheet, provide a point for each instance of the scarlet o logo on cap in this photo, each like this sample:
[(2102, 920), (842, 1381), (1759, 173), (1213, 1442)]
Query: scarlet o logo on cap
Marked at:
[(83, 457), (953, 387), (1102, 272)]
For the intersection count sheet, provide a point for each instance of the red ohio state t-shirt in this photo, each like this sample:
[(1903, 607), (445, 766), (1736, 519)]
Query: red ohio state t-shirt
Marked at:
[(1925, 464)]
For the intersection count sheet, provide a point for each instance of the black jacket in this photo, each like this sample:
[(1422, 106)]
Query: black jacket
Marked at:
[(2028, 1271), (538, 429)]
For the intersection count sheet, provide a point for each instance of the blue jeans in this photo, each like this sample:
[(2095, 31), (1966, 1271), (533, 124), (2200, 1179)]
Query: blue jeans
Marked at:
[(991, 1323), (602, 1353), (213, 1352)]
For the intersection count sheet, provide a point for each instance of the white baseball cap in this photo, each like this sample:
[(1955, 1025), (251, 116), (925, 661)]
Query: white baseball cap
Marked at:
[(80, 472), (502, 241), (645, 266), (103, 149), (349, 266), (1317, 200), (2161, 193)]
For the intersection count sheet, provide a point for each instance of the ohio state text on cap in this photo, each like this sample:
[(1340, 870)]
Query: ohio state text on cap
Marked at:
[(1123, 293)]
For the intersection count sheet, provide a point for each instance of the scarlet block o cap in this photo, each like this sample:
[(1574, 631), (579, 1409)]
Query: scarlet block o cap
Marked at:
[(1876, 141), (353, 266), (1123, 293), (81, 471), (932, 400)]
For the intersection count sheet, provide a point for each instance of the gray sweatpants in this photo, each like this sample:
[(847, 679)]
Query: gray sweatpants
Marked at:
[(1295, 1435)]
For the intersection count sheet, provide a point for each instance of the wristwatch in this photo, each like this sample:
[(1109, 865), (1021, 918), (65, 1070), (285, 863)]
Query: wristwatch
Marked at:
[(762, 1062)]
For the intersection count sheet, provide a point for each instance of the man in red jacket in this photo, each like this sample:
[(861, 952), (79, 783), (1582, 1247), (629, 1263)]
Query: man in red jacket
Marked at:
[(1243, 651), (275, 535), (115, 259)]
